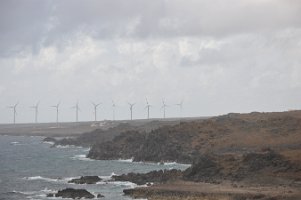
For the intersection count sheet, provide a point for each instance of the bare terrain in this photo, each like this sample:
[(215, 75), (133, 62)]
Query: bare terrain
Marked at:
[(64, 129)]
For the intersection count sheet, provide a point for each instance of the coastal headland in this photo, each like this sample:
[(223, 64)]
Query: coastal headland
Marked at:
[(234, 156)]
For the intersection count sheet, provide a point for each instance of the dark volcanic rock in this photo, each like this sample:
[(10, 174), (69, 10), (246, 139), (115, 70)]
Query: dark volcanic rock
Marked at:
[(213, 168), (165, 145), (86, 180), (151, 177), (155, 146), (100, 196), (49, 139), (258, 161), (184, 142), (50, 195), (264, 162), (73, 194), (108, 134), (205, 168), (124, 146)]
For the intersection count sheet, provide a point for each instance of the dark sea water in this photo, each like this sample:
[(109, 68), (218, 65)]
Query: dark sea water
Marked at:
[(30, 169)]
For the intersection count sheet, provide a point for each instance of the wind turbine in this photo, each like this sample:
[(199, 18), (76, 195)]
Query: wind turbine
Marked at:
[(95, 110), (113, 108), (147, 107), (36, 108), (164, 108), (14, 107), (57, 106), (76, 107), (180, 106), (131, 109)]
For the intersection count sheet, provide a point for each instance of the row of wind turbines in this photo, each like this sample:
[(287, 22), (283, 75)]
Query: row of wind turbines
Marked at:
[(95, 107)]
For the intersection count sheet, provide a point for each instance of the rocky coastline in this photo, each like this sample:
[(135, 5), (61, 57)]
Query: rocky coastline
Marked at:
[(236, 156)]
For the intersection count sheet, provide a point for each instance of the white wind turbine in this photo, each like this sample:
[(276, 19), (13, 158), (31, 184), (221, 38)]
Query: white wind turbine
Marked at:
[(77, 109), (164, 108), (180, 106), (113, 109), (36, 108), (14, 108), (131, 109), (57, 106), (147, 107), (95, 110)]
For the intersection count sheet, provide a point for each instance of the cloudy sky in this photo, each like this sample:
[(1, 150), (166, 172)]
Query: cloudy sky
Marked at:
[(219, 56)]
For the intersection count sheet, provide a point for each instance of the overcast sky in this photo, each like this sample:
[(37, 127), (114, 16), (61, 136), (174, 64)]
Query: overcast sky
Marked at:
[(219, 56)]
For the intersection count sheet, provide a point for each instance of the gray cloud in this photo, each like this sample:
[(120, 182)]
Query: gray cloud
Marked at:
[(32, 24), (220, 56)]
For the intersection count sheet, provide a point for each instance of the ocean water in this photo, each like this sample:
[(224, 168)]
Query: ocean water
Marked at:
[(30, 169)]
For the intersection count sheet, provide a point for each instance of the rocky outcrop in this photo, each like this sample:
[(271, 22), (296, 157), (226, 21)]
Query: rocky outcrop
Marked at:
[(161, 176), (73, 194), (86, 180), (205, 168), (217, 168), (49, 139), (214, 168), (184, 142), (124, 146), (99, 136), (155, 146)]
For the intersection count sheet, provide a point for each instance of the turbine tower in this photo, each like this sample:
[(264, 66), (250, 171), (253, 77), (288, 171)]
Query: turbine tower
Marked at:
[(147, 107), (76, 107), (180, 106), (95, 110), (14, 107), (36, 108), (131, 109), (164, 107), (113, 108), (57, 106)]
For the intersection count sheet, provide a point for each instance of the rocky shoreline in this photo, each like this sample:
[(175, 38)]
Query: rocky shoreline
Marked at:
[(244, 156)]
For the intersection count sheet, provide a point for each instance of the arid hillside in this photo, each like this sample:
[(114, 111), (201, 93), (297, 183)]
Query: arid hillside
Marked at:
[(232, 133)]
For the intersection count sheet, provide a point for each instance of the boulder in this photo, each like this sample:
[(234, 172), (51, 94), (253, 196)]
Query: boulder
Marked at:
[(73, 194), (100, 196), (86, 180), (49, 139), (160, 176)]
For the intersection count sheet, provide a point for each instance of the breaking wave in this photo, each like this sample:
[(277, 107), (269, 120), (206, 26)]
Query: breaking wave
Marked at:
[(81, 157)]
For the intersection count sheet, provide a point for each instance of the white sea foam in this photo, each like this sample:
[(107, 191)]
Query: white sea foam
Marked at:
[(126, 160), (66, 146), (25, 192), (81, 157), (86, 150), (51, 143), (70, 178), (124, 183), (46, 190), (32, 178), (15, 143), (107, 178), (36, 194), (174, 164), (59, 180)]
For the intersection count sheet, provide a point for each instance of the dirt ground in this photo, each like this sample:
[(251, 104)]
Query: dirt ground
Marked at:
[(223, 191)]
